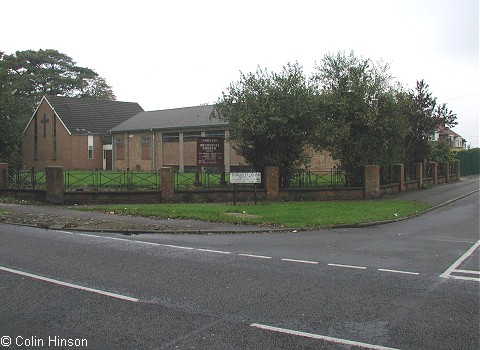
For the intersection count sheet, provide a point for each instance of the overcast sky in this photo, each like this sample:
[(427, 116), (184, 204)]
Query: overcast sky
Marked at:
[(168, 54)]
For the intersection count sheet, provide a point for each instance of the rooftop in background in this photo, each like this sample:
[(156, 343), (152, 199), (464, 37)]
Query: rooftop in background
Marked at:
[(187, 117)]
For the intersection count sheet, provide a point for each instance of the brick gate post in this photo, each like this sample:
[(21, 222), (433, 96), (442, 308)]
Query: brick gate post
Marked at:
[(372, 181), (447, 172), (434, 171), (167, 176), (400, 176), (419, 173), (272, 183), (54, 184)]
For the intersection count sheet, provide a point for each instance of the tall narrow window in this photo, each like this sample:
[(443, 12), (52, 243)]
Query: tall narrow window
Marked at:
[(119, 148), (90, 146), (54, 138), (146, 153), (35, 137)]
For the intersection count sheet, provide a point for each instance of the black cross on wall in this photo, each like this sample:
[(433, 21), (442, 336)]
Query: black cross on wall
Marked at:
[(44, 121)]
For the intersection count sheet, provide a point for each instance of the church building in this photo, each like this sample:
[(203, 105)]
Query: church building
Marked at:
[(72, 132)]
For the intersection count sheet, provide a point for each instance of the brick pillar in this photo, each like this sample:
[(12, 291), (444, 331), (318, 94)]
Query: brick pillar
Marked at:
[(434, 170), (457, 168), (3, 175), (419, 173), (400, 175), (272, 183), (167, 175), (447, 172), (54, 184), (372, 181)]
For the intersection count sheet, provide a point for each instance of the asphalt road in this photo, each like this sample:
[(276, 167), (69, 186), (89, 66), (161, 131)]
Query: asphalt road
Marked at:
[(407, 285)]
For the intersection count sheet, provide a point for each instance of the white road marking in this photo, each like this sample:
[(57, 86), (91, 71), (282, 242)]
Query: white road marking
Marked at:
[(127, 240), (69, 285), (348, 266), (301, 261), (453, 267), (321, 337), (471, 272), (213, 251), (176, 246), (465, 278), (256, 256), (226, 253), (398, 271)]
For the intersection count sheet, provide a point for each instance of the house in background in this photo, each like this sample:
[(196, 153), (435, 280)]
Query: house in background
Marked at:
[(453, 139), (72, 132), (151, 140)]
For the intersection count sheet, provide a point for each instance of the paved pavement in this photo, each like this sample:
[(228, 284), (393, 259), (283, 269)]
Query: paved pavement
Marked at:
[(59, 217)]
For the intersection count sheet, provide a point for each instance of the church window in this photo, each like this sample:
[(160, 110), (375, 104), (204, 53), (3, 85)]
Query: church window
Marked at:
[(119, 148), (146, 153), (90, 146)]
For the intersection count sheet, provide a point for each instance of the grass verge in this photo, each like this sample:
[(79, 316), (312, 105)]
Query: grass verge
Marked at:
[(285, 214)]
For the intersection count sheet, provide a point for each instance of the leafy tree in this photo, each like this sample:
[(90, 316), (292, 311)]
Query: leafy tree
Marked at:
[(26, 77), (10, 124), (271, 116), (440, 151), (424, 116), (361, 123), (49, 72)]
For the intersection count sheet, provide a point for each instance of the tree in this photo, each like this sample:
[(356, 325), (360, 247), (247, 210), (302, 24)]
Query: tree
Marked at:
[(29, 75), (10, 124), (271, 116), (424, 116), (49, 72), (361, 123)]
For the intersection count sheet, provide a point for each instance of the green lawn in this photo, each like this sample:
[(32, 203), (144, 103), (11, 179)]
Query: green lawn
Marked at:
[(285, 214)]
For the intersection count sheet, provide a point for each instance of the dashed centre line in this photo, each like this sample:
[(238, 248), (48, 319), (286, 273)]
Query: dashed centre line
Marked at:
[(213, 251), (349, 266), (398, 271), (255, 256), (301, 261)]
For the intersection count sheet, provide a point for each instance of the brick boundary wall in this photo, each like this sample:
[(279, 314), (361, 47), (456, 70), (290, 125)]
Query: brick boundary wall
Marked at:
[(55, 193)]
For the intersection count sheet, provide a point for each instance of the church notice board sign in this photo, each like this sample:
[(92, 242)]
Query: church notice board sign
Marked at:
[(210, 151), (245, 178)]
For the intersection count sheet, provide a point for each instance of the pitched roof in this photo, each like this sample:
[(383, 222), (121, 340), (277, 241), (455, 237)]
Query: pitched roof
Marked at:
[(447, 132), (187, 117), (81, 115)]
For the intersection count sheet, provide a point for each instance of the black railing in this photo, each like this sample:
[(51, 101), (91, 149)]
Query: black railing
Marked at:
[(28, 179), (111, 180), (333, 177)]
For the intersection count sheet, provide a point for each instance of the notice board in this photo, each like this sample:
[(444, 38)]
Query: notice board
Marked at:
[(210, 151)]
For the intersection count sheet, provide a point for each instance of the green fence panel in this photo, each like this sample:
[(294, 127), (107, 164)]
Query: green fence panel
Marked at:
[(469, 163)]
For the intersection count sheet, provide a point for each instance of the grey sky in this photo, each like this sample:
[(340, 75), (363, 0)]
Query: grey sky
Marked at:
[(167, 54)]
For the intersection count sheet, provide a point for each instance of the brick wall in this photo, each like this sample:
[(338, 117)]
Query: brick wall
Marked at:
[(71, 150)]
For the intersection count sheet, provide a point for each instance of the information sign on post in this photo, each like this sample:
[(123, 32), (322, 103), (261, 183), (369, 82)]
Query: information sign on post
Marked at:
[(245, 178)]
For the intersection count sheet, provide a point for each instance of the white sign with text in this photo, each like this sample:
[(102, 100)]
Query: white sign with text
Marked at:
[(245, 178)]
